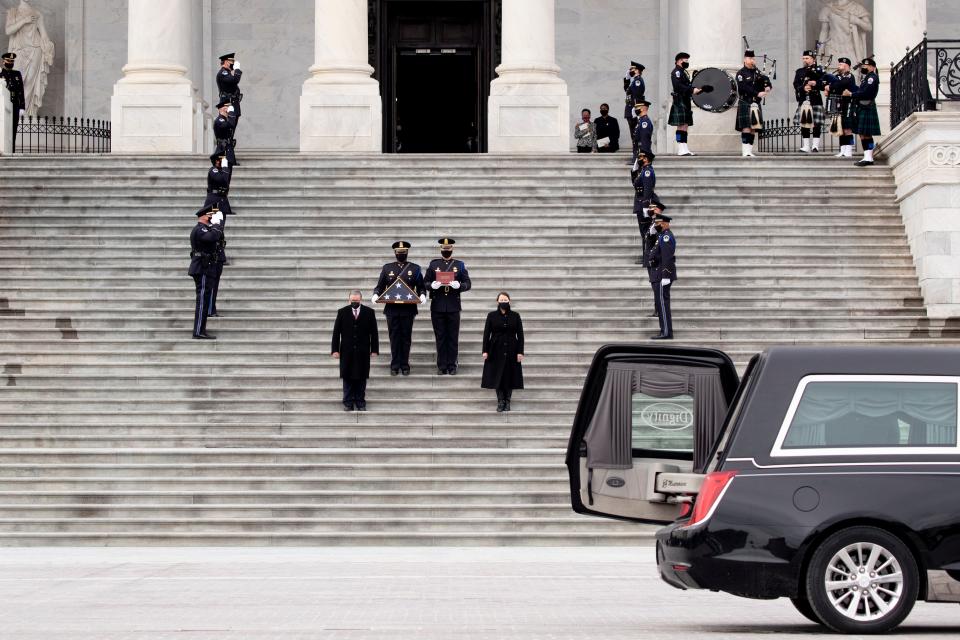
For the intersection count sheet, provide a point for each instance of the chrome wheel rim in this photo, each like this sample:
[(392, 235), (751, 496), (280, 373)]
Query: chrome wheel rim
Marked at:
[(864, 581)]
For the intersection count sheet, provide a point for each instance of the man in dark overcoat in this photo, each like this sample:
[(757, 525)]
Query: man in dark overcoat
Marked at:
[(355, 340)]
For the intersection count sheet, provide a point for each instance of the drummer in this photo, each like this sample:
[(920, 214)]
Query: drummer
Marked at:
[(752, 87), (681, 111)]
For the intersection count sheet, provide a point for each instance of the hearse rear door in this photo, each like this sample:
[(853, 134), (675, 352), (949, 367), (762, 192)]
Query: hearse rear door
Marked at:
[(646, 424)]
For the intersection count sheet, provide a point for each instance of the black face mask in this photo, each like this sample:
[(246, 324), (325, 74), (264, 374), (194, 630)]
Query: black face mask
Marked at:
[(504, 306), (658, 227), (684, 65), (355, 305), (402, 257), (446, 254), (604, 112)]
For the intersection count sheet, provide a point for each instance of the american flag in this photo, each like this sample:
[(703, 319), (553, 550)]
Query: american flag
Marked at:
[(399, 293)]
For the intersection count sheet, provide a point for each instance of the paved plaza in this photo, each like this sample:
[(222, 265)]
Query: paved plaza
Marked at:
[(389, 593)]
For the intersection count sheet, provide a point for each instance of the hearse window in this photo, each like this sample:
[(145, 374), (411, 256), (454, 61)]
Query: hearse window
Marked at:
[(848, 414), (654, 407)]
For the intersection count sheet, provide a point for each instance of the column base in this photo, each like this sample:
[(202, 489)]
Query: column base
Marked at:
[(6, 122), (522, 119), (713, 132), (153, 118), (341, 117)]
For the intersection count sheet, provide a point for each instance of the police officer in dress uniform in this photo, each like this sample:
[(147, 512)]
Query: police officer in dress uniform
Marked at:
[(203, 268), (664, 264), (681, 111), (842, 84), (865, 101), (224, 126), (649, 240), (643, 132), (218, 184), (228, 84), (217, 220), (752, 87), (643, 184), (636, 89), (400, 316), (807, 85), (14, 83), (445, 305)]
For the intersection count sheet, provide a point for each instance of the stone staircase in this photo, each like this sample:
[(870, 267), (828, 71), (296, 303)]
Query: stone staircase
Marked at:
[(119, 429)]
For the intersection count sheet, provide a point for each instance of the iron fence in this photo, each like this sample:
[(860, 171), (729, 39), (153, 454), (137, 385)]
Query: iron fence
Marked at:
[(782, 136), (936, 61), (46, 134)]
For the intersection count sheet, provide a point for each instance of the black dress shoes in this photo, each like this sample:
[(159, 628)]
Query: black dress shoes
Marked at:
[(406, 371), (204, 336), (394, 372), (500, 407), (441, 372), (661, 337), (347, 406), (362, 407), (452, 371)]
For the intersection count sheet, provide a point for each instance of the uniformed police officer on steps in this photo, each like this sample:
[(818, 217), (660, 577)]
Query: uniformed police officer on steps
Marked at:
[(228, 83), (400, 316), (865, 103), (643, 183), (224, 126), (203, 268), (752, 89), (663, 261), (636, 89), (643, 132), (841, 84), (14, 82), (681, 110), (648, 242), (445, 304)]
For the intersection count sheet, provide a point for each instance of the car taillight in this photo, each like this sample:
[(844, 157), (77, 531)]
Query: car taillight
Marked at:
[(714, 485)]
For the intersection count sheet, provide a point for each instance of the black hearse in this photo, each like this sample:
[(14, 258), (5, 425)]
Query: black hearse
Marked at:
[(827, 476)]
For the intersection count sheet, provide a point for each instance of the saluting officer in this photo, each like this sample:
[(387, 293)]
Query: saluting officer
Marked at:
[(204, 240), (681, 111), (643, 184), (643, 132), (842, 85), (752, 87), (228, 83), (218, 184), (663, 261), (807, 84), (865, 101), (649, 241), (217, 220), (400, 316), (636, 89), (14, 82), (445, 304), (224, 126)]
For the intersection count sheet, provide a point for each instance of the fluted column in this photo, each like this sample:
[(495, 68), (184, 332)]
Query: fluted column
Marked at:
[(6, 121), (713, 39), (898, 26), (153, 105), (529, 109), (340, 107)]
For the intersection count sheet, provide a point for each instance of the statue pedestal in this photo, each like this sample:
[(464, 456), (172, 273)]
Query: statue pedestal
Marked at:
[(6, 122), (155, 117)]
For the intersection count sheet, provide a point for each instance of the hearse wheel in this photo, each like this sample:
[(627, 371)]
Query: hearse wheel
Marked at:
[(862, 580)]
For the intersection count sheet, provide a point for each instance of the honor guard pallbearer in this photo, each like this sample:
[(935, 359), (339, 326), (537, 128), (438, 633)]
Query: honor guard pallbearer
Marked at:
[(446, 278), (841, 86), (865, 102), (14, 83), (807, 85), (663, 262), (204, 240), (228, 83), (752, 87), (681, 111), (400, 308)]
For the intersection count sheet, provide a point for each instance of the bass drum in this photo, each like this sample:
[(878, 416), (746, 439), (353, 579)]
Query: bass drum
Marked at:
[(718, 90)]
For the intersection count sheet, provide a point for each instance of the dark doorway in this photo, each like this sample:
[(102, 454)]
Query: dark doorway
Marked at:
[(436, 103), (434, 60)]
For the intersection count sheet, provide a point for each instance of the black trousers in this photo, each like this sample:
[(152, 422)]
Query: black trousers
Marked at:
[(504, 395), (214, 283), (400, 328), (662, 303), (204, 293), (226, 146), (446, 328), (355, 391)]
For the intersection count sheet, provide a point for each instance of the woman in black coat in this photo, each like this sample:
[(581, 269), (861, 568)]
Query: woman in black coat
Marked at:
[(503, 352)]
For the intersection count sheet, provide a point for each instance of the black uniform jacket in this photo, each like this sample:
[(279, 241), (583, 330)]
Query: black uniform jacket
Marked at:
[(204, 246), (681, 83), (750, 82), (502, 341), (355, 340), (800, 78), (446, 299), (867, 91), (14, 82), (608, 128), (223, 127), (662, 257), (644, 183), (410, 273), (643, 134), (228, 84)]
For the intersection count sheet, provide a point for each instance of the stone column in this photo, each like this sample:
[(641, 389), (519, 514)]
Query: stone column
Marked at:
[(6, 121), (713, 39), (898, 26), (153, 107), (529, 109), (340, 107)]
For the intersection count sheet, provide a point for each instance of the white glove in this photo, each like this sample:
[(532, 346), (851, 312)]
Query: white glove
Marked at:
[(652, 231), (435, 284), (374, 298), (230, 109), (224, 163), (217, 218), (665, 281), (423, 298), (455, 284)]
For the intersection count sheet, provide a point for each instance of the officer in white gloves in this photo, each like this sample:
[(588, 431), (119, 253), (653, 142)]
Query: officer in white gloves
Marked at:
[(663, 262), (400, 304), (445, 303), (216, 220)]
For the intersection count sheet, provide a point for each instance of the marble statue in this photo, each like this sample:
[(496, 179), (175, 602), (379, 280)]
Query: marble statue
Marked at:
[(34, 49), (843, 30)]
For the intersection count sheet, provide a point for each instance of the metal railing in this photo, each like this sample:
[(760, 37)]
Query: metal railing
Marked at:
[(46, 134), (782, 136), (936, 61)]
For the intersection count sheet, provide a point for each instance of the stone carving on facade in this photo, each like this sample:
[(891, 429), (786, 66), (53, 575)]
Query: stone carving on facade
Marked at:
[(942, 155), (34, 49), (843, 30)]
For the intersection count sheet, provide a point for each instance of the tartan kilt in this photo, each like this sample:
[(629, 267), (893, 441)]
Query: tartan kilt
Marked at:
[(743, 115), (867, 122), (681, 112), (818, 117)]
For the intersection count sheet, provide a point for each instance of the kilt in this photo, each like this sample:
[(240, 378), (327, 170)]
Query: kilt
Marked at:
[(681, 112), (743, 115), (867, 122), (817, 115)]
